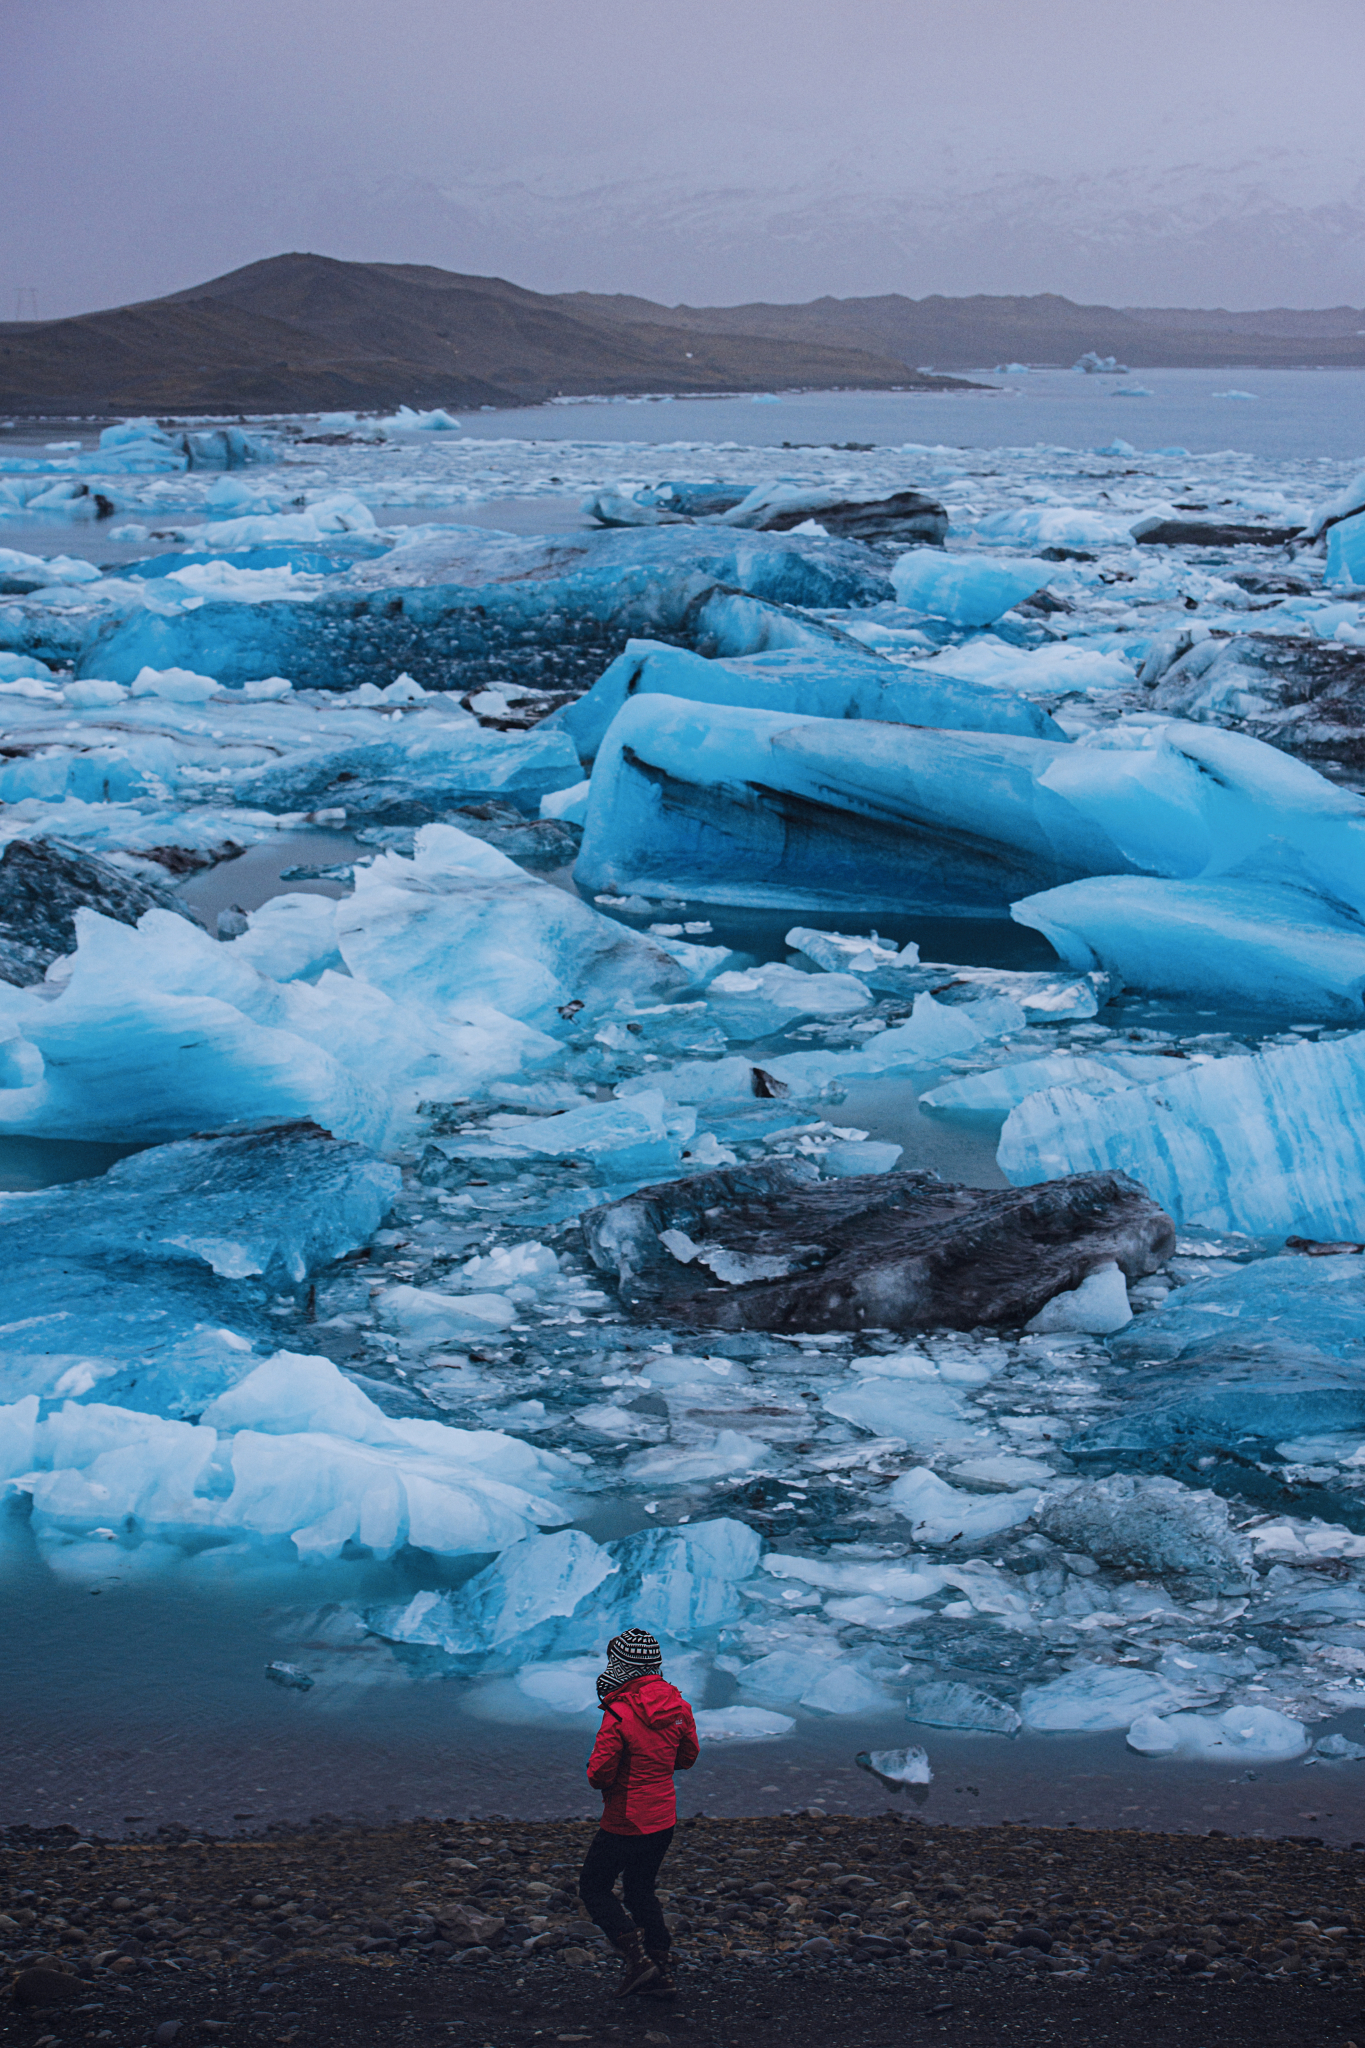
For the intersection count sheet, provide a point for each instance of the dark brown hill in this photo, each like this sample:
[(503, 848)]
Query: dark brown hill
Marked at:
[(299, 333), (976, 332)]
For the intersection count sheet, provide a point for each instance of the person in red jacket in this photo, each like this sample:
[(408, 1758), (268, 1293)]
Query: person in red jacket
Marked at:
[(647, 1734)]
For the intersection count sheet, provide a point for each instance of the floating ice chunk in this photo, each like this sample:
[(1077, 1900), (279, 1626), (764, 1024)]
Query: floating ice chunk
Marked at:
[(568, 1686), (837, 954), (844, 1158), (340, 512), (460, 919), (909, 1583), (1146, 1524), (749, 806), (474, 602), (280, 1204), (933, 1032), (844, 1689), (1270, 1144), (1095, 1698), (18, 1423), (1041, 996), (180, 685), (1235, 941), (823, 676), (107, 1466), (22, 668), (423, 1316), (946, 1703), (611, 506), (570, 805), (785, 1674), (292, 937), (1098, 1306), (516, 1603), (408, 421), (313, 1458), (1054, 670), (1341, 505), (741, 1724), (160, 1031), (1346, 554), (967, 590), (126, 1057), (621, 1140), (939, 1513), (896, 1768), (323, 1492), (926, 1416), (668, 1465), (996, 1092), (291, 1393), (292, 1676), (870, 1610), (1312, 1541), (1195, 803), (529, 1266), (1344, 1449), (1057, 526), (1003, 1469), (759, 1000), (553, 1596), (20, 573), (1255, 1733), (1337, 1749)]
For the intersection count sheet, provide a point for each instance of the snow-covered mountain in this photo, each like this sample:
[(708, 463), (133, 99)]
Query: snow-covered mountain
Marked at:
[(1241, 233)]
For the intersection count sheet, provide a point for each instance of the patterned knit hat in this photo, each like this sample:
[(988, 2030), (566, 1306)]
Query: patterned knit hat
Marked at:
[(629, 1655)]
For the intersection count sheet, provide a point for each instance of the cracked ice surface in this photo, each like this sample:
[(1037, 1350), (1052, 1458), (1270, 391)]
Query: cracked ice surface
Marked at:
[(337, 1307)]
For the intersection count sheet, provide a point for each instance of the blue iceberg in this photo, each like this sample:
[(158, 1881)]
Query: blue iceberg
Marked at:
[(1231, 940), (153, 1284), (721, 804), (966, 590), (552, 1596), (1271, 1144), (474, 605), (842, 681)]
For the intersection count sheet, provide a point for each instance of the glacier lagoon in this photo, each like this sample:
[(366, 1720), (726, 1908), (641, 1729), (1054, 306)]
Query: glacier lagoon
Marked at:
[(306, 1359)]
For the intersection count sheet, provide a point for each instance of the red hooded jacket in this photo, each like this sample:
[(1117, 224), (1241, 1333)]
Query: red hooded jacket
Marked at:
[(647, 1733)]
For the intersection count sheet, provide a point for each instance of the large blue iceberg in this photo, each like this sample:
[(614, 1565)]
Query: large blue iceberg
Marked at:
[(835, 681), (478, 606)]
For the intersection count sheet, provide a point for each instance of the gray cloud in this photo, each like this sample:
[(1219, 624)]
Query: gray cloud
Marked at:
[(717, 150)]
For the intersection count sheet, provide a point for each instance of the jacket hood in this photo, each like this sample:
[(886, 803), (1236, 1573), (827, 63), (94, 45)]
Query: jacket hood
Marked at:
[(651, 1697)]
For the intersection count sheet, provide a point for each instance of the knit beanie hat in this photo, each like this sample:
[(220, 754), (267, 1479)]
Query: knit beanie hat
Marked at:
[(629, 1655)]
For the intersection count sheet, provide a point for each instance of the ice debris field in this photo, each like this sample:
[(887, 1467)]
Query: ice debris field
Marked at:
[(487, 1184)]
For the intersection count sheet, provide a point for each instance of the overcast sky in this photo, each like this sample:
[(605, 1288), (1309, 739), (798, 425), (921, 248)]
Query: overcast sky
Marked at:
[(1180, 151)]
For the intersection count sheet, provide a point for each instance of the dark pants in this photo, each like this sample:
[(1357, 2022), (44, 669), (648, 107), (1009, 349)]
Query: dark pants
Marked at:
[(635, 1859)]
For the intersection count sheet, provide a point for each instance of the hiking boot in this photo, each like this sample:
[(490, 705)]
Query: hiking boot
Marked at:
[(639, 1970), (665, 1984)]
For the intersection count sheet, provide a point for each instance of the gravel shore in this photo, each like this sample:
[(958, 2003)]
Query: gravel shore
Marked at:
[(790, 1930)]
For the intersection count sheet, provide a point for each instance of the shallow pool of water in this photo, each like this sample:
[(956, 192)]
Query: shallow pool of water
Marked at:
[(132, 1702)]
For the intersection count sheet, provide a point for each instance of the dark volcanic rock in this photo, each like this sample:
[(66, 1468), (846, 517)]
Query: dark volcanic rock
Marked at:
[(906, 516), (771, 1248), (1306, 697), (43, 883), (1208, 533)]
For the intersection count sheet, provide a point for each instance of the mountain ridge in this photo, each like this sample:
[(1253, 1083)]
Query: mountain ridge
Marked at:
[(301, 332)]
